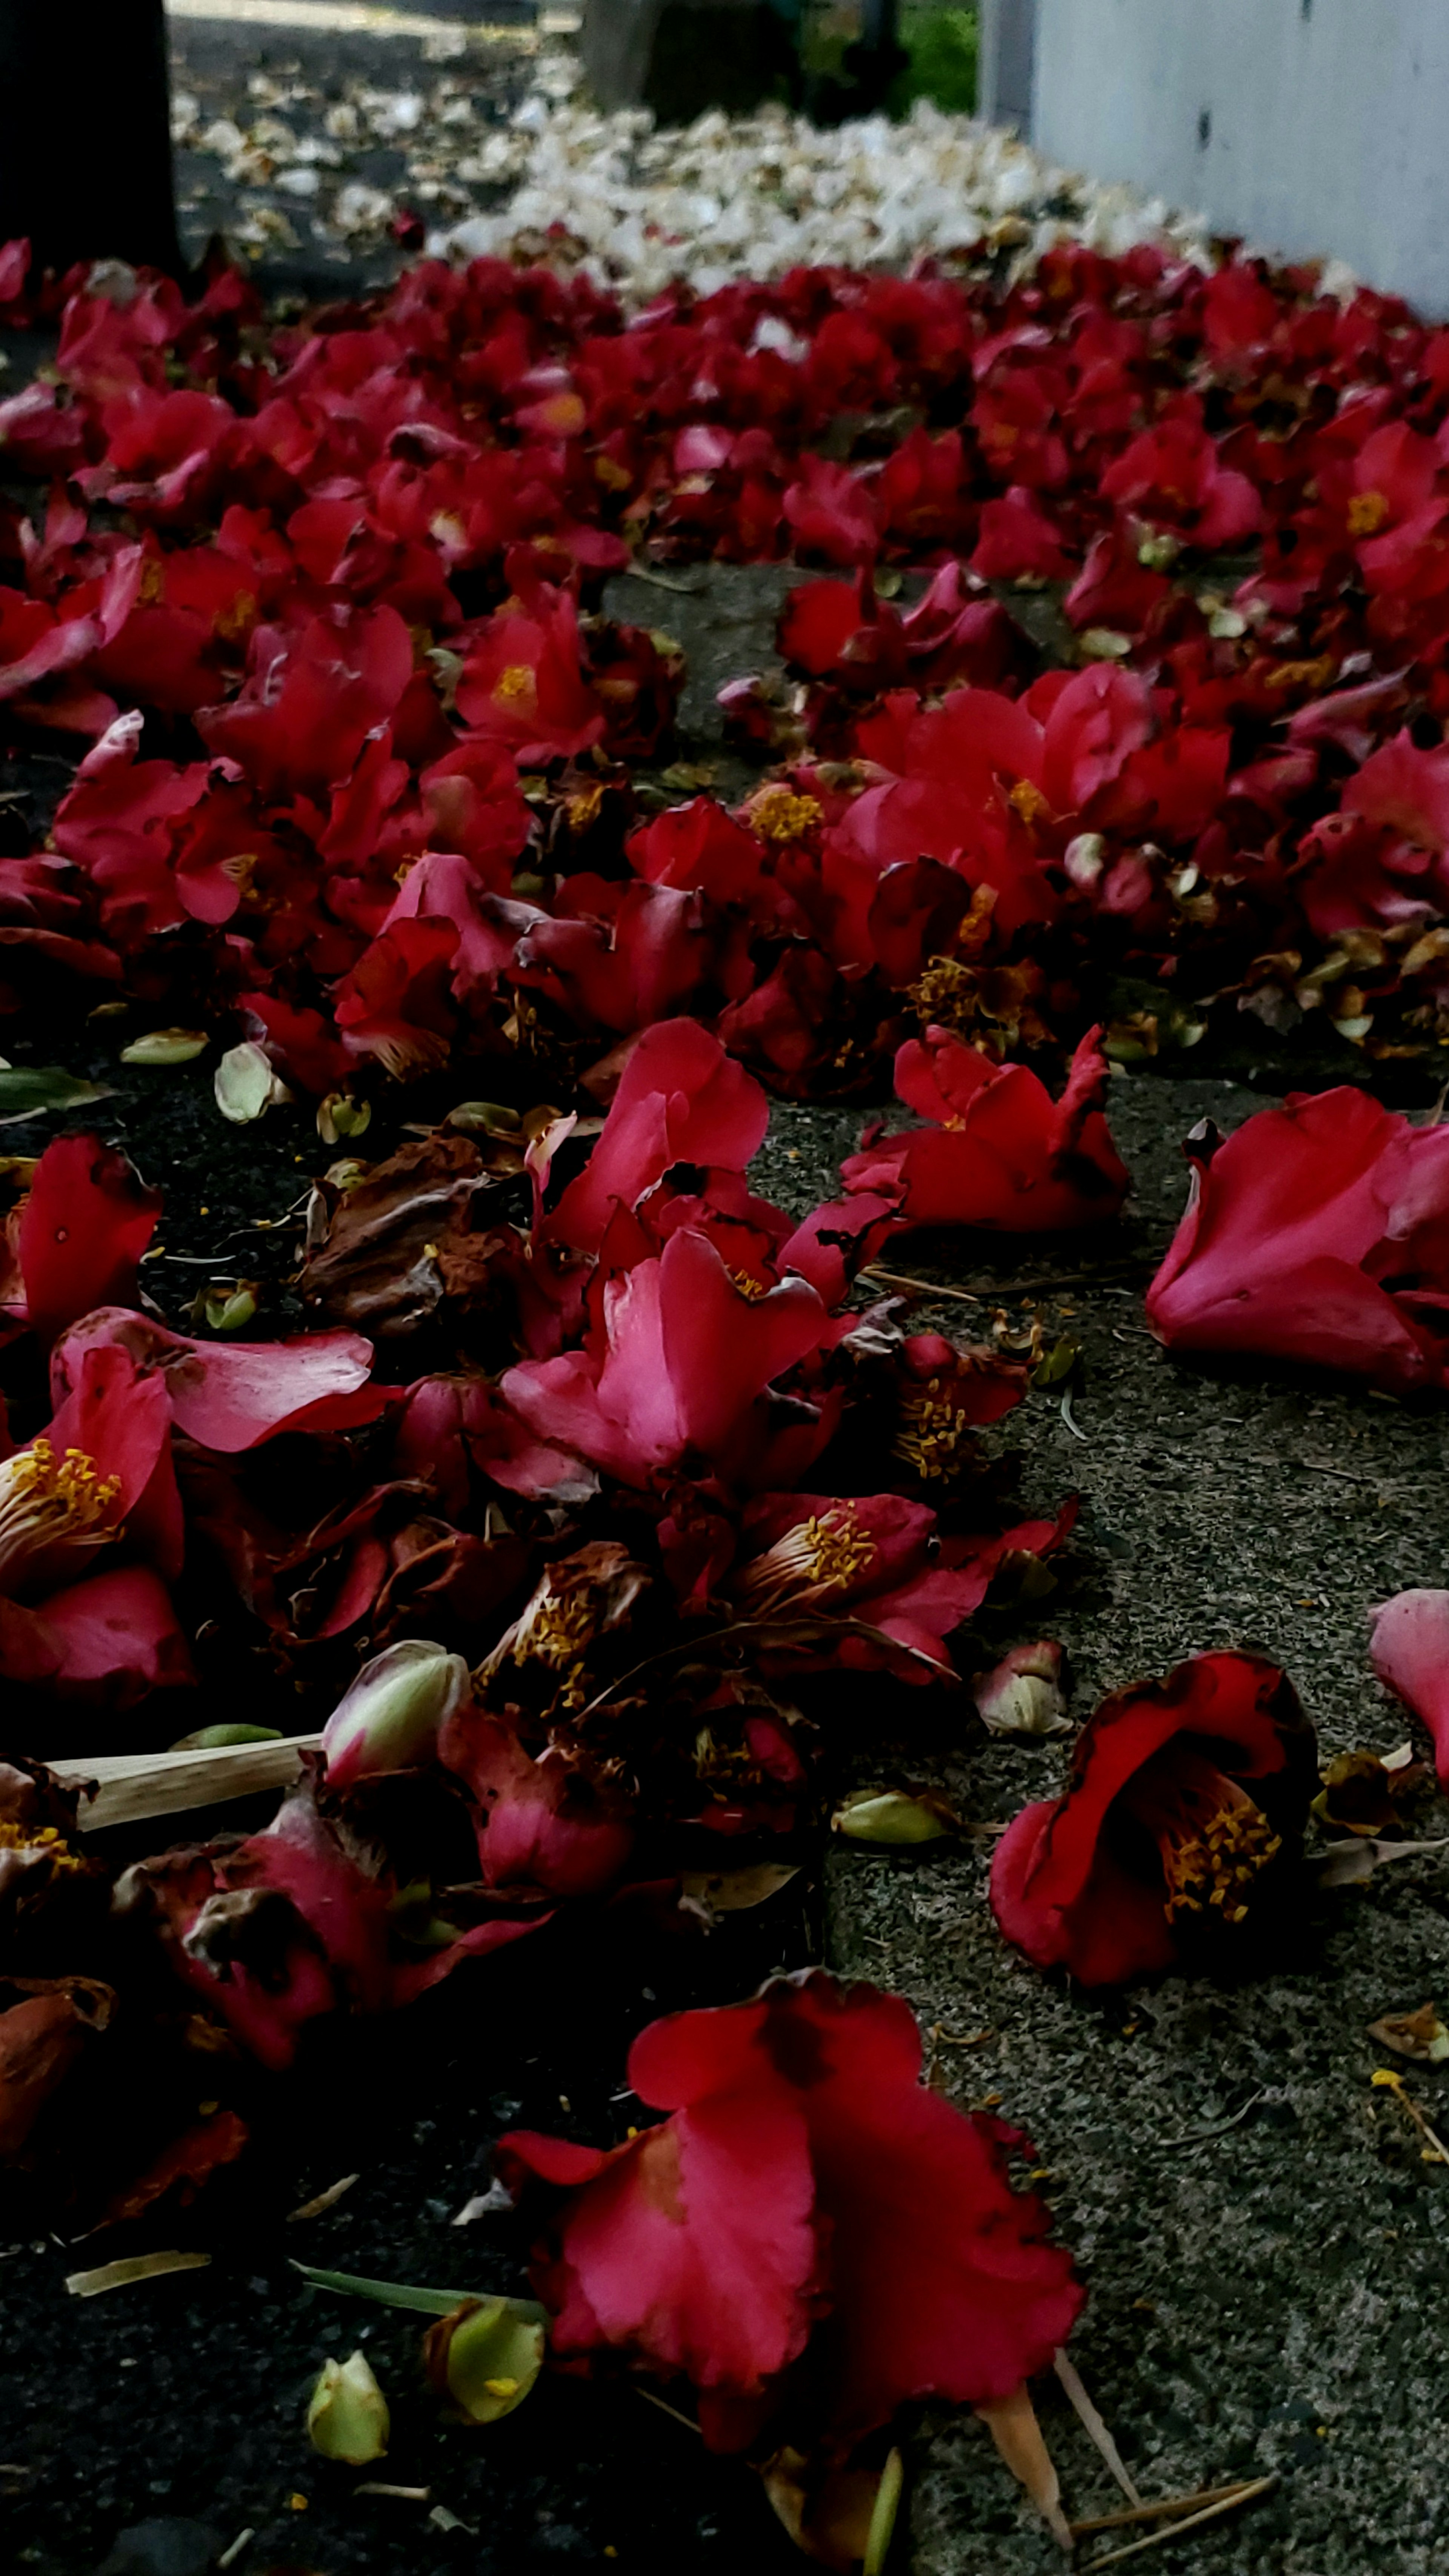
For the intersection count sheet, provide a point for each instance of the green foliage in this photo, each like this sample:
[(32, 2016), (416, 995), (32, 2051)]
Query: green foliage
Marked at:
[(942, 44)]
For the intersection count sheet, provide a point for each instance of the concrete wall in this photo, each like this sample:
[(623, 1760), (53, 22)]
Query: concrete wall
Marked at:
[(1315, 127), (1006, 62)]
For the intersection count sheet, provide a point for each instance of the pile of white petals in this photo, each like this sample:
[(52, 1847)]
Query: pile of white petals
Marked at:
[(754, 196)]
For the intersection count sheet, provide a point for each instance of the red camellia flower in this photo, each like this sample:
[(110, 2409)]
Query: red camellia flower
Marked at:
[(681, 1368), (82, 1230), (1187, 1797), (296, 1922), (1410, 1652), (522, 684), (680, 1100), (807, 2202), (1315, 1233), (876, 1558), (1000, 1151), (97, 1486)]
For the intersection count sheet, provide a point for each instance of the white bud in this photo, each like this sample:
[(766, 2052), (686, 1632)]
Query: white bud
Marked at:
[(394, 1710)]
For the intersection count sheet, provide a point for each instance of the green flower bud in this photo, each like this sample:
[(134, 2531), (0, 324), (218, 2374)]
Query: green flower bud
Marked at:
[(347, 2417), (391, 1715), (484, 2358)]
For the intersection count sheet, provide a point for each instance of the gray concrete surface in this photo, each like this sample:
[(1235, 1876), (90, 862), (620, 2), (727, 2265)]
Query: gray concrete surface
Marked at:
[(1313, 126), (1272, 2298)]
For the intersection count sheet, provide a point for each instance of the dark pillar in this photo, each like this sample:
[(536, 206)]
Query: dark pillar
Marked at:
[(85, 131), (682, 56)]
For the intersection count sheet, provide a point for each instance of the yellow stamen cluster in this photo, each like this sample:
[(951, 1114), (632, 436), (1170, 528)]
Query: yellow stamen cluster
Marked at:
[(823, 1555), (1029, 802), (748, 1287), (517, 681), (556, 1634), (1220, 1870), (932, 1430), (582, 808), (778, 814), (45, 1500), (44, 1839), (946, 996), (1367, 512), (232, 623)]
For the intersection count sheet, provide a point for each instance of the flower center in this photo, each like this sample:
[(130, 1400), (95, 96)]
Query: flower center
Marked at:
[(749, 1287), (821, 1556), (1367, 512), (1213, 1840), (932, 1430), (778, 814), (41, 1839), (517, 681), (582, 809), (46, 1502), (946, 995), (556, 1634), (1029, 802)]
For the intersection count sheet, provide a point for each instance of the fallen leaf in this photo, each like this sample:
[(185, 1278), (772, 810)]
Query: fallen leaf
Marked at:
[(1360, 1789), (133, 2267), (826, 2506), (734, 1891), (383, 1253), (1022, 1695), (405, 2294), (42, 2033), (323, 2201), (1420, 2035), (1011, 2422), (211, 1739), (895, 1816), (189, 2160), (1348, 1864), (166, 1046), (28, 1091), (883, 2515)]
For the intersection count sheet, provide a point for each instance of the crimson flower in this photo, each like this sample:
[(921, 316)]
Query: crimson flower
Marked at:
[(543, 1822), (1000, 1151), (1410, 1651), (1314, 1233), (681, 1368), (522, 685), (82, 1230), (679, 1100), (313, 694), (1172, 474), (807, 2202), (1187, 1797), (294, 1923), (876, 1558), (98, 1484)]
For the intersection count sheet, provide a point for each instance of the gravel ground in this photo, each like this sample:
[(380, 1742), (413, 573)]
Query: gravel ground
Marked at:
[(1269, 2299), (303, 147)]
